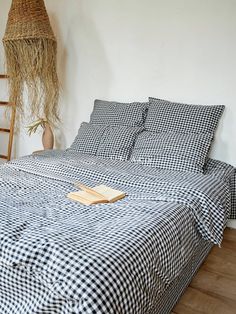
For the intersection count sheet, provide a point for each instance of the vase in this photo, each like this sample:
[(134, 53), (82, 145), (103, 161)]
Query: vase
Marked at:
[(48, 137)]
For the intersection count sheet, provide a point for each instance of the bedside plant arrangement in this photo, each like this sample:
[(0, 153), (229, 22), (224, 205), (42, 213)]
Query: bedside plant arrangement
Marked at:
[(47, 137)]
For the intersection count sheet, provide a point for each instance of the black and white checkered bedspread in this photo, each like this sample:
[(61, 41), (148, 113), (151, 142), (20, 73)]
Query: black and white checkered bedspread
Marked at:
[(107, 258)]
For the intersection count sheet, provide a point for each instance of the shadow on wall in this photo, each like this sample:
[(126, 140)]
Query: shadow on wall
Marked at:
[(83, 69)]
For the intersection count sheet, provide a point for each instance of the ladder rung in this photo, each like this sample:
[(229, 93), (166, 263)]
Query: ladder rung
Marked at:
[(11, 129), (5, 103), (5, 130)]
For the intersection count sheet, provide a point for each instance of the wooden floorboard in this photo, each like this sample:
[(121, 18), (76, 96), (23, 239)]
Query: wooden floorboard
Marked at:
[(213, 289)]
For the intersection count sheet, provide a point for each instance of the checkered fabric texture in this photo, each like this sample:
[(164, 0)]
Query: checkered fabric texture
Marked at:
[(106, 258), (114, 142), (172, 151), (166, 116), (115, 113), (16, 282), (117, 142), (226, 173), (166, 302), (88, 138), (233, 194)]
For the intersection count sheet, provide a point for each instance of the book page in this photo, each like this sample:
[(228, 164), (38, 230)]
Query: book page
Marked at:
[(86, 198), (87, 189), (109, 193)]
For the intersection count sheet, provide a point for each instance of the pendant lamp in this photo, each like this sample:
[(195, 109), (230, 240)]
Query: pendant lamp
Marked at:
[(30, 50)]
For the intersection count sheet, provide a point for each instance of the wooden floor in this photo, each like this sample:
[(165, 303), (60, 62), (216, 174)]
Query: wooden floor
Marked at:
[(213, 289)]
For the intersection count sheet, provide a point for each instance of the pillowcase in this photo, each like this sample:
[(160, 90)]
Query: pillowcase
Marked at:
[(117, 142), (166, 116), (88, 138), (114, 142), (115, 113), (172, 151)]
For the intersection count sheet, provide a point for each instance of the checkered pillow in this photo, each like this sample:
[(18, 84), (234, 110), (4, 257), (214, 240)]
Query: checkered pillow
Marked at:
[(166, 116), (114, 142), (172, 151), (115, 113), (88, 139), (117, 142)]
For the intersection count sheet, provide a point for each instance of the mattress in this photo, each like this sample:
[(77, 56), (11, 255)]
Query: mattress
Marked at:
[(57, 256)]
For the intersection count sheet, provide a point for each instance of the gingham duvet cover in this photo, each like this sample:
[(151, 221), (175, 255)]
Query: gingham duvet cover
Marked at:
[(108, 258)]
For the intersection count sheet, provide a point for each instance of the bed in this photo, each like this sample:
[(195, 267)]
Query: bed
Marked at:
[(133, 256)]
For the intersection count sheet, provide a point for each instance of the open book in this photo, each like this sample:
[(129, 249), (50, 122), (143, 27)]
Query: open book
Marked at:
[(96, 195)]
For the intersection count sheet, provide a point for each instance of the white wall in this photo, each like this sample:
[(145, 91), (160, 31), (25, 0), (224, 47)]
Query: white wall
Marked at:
[(182, 50)]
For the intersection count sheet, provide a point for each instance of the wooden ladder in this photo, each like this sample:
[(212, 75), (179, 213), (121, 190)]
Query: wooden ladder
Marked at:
[(12, 123)]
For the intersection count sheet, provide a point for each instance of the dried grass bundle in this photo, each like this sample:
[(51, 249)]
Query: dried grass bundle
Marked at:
[(30, 50)]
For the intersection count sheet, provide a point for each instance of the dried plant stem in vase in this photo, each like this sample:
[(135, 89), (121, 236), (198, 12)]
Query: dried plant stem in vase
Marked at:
[(47, 137)]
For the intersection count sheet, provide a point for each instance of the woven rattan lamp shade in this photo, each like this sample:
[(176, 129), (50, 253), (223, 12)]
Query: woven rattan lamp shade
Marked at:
[(30, 50)]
